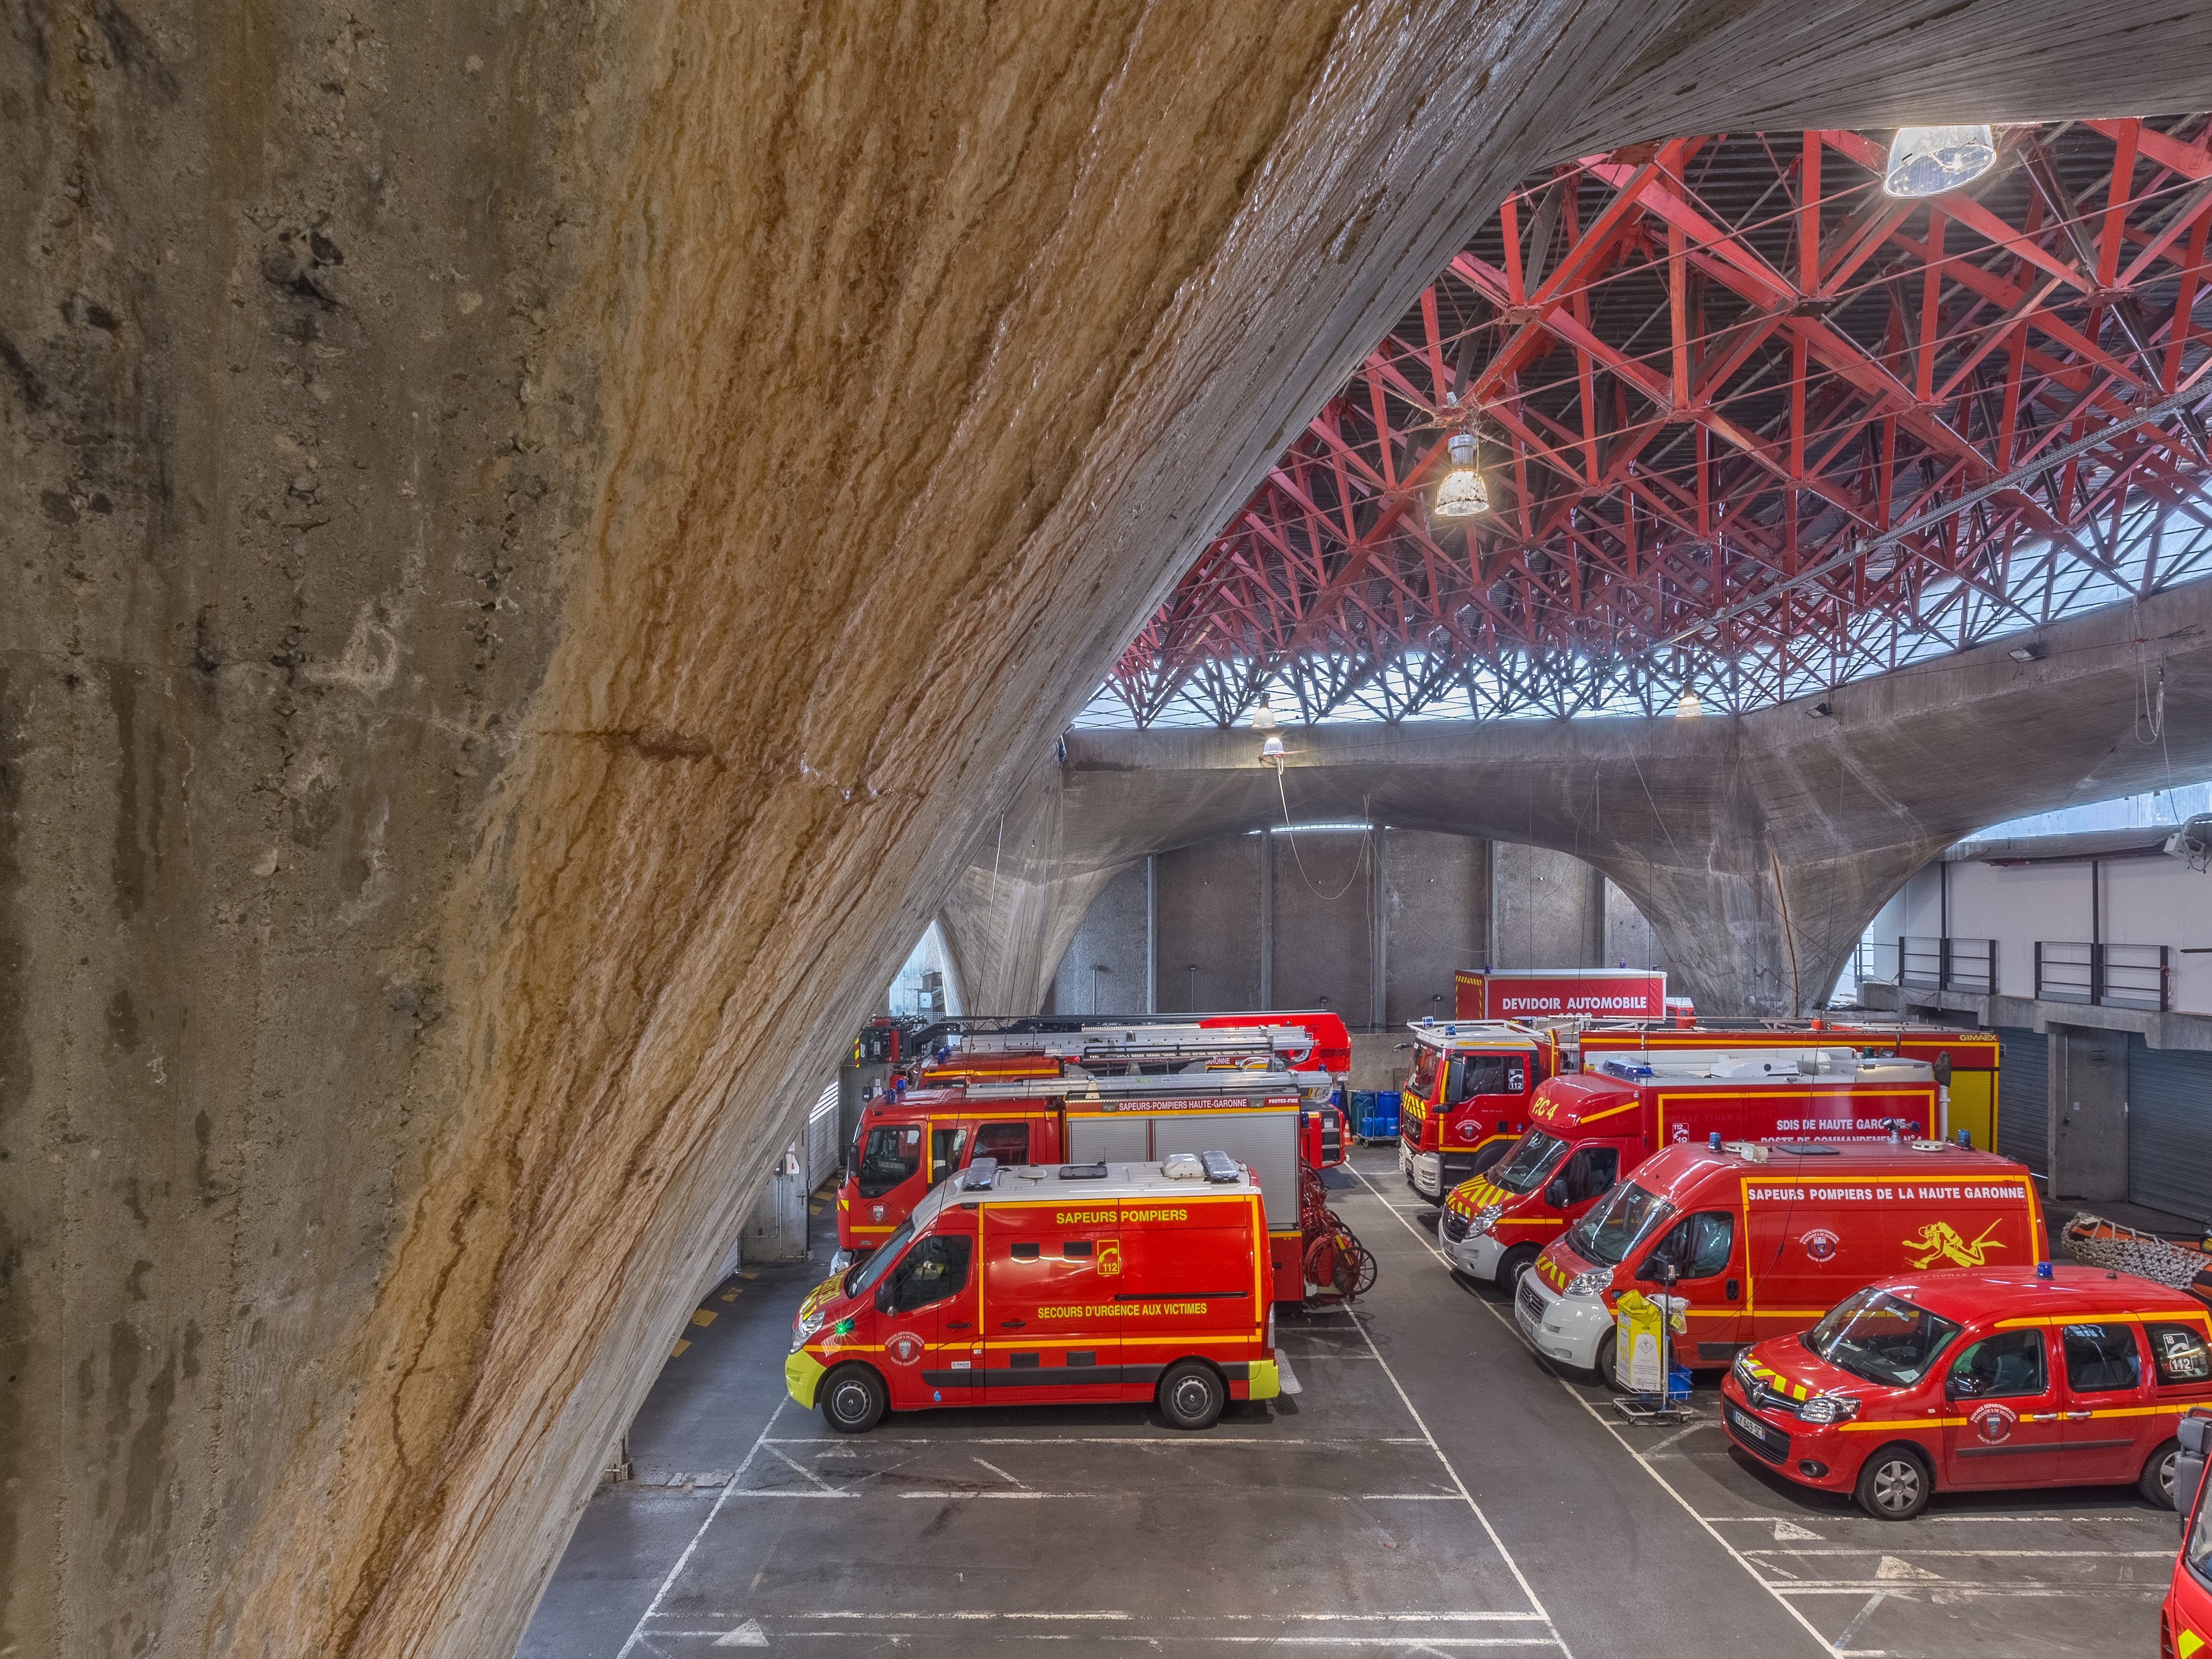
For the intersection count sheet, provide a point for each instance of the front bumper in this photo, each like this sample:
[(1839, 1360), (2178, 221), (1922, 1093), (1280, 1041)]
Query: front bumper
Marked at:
[(1790, 1446), (1264, 1381), (1476, 1255), (1567, 1328), (1424, 1172), (802, 1375)]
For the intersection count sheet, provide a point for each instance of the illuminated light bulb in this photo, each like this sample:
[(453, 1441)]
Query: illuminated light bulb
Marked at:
[(1462, 493), (1928, 160), (1272, 751), (1689, 708)]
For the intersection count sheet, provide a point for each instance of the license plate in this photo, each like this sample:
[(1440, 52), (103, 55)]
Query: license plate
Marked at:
[(1758, 1431)]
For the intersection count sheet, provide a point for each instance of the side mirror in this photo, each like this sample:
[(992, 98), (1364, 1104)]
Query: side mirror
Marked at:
[(1958, 1387), (2194, 1432), (1556, 1195)]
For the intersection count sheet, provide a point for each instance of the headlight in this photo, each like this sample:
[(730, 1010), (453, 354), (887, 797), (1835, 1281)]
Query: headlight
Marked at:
[(1828, 1408), (804, 1327), (1591, 1283), (1484, 1217)]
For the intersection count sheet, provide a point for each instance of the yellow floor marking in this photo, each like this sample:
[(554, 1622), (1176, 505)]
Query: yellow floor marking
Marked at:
[(731, 1296), (701, 1316), (747, 1273), (680, 1346)]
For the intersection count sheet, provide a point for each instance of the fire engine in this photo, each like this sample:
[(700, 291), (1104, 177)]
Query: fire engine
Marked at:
[(1589, 1130), (1125, 1093)]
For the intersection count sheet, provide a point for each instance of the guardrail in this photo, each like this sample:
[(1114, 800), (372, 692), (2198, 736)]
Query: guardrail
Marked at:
[(1947, 964), (2104, 976)]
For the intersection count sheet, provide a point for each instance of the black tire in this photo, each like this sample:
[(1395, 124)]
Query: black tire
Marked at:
[(1518, 1261), (1603, 1369), (1191, 1395), (1894, 1484), (2156, 1483), (852, 1400)]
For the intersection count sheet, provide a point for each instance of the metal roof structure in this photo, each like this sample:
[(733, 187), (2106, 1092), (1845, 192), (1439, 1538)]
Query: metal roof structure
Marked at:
[(1750, 429)]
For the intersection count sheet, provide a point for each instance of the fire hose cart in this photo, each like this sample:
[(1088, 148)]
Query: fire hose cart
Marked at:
[(1103, 1283)]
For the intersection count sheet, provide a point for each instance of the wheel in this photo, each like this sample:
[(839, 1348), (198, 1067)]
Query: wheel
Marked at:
[(1605, 1351), (1894, 1484), (1518, 1261), (852, 1400), (2156, 1483), (1191, 1395)]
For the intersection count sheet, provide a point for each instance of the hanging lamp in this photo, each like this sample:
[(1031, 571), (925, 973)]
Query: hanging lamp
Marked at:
[(1928, 160)]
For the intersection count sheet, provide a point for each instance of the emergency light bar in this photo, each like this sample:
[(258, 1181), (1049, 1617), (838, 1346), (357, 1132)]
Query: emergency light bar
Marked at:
[(1220, 1168), (981, 1175)]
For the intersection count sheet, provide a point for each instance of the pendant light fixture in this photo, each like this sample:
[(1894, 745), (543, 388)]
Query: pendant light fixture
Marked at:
[(1463, 494), (1928, 160)]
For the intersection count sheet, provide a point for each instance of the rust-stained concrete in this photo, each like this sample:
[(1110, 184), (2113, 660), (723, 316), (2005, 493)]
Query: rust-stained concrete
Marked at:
[(535, 540)]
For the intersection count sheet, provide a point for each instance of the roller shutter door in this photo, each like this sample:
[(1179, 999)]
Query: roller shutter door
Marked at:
[(2170, 1129), (2024, 1097)]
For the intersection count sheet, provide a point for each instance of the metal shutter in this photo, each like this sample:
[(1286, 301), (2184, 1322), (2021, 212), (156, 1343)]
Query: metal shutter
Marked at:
[(1267, 1141), (2024, 1097), (2169, 1129), (823, 1150)]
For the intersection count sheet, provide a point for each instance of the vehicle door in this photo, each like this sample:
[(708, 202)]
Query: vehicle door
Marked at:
[(888, 1183), (1050, 1324), (2107, 1387), (1189, 1283), (1484, 1093), (2004, 1417), (1586, 1176), (925, 1316), (1698, 1254)]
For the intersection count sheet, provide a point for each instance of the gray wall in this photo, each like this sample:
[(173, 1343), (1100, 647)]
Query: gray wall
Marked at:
[(1369, 925)]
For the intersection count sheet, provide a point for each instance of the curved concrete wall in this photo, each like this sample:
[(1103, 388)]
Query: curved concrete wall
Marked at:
[(535, 540)]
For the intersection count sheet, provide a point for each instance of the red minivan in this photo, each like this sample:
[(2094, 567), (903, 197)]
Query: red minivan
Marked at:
[(1975, 1379)]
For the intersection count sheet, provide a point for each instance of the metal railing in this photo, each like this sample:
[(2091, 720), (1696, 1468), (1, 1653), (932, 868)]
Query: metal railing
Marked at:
[(2104, 976), (1947, 964), (1867, 963)]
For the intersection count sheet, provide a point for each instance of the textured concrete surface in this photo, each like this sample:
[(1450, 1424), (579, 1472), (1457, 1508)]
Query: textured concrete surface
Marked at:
[(1757, 847), (538, 542)]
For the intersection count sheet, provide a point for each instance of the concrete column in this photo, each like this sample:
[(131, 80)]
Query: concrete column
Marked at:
[(1378, 920), (1266, 918)]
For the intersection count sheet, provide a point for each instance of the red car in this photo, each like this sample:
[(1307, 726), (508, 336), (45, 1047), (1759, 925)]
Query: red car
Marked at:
[(2184, 1622), (1976, 1379)]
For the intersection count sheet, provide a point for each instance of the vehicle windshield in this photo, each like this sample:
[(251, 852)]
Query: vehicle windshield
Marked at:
[(2198, 1552), (889, 1157), (1623, 1219), (1423, 1083), (870, 1268), (1881, 1337), (1531, 1159)]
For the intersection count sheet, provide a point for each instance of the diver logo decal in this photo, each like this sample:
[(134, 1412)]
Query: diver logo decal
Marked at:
[(905, 1348), (1819, 1243), (1940, 1241), (1994, 1423), (1110, 1257)]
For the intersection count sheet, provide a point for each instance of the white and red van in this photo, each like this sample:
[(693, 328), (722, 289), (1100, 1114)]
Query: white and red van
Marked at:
[(1051, 1284), (1591, 1128), (1760, 1239), (1972, 1380)]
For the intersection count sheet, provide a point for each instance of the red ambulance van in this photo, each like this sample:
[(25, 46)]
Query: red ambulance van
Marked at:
[(1972, 1380), (1762, 1238), (2185, 1620), (1045, 1285), (1594, 1127)]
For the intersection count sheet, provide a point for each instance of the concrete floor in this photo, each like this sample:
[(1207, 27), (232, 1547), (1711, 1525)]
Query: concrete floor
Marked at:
[(1434, 1489)]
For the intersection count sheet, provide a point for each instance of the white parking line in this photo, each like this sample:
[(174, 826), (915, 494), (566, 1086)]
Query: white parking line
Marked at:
[(1643, 1462), (637, 1632)]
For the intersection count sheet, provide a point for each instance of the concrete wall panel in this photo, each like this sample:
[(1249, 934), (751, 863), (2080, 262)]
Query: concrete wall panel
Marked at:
[(1112, 936), (1436, 918), (1324, 922), (1208, 913)]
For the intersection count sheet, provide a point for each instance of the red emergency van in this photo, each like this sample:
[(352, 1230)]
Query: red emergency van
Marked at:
[(1122, 1094), (2185, 1620), (1592, 1128), (1969, 1380), (1760, 1239), (1041, 1286)]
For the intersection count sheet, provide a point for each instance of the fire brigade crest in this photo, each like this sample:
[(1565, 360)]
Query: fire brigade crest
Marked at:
[(1819, 1243), (1940, 1241), (1110, 1257), (905, 1348), (1994, 1423)]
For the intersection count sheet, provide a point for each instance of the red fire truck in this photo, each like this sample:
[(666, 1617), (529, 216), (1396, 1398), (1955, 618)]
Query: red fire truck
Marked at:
[(1760, 1239), (1457, 1119), (1591, 1129), (1130, 1093), (1098, 1282)]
